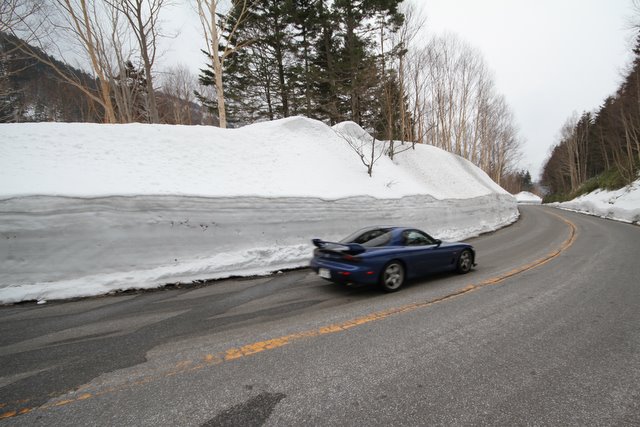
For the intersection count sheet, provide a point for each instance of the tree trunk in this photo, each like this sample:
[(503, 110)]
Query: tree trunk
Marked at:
[(89, 41), (152, 108), (222, 113)]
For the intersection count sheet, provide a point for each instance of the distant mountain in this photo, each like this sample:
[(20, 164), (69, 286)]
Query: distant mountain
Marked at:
[(32, 91)]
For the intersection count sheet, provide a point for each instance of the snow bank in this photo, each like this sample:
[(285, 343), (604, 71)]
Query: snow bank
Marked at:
[(527, 198), (620, 205), (294, 157), (87, 209)]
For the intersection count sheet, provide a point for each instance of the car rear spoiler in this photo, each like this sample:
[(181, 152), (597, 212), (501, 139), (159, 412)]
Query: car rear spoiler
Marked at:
[(353, 248)]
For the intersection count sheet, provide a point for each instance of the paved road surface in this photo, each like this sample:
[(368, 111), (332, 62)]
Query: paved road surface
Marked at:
[(546, 330)]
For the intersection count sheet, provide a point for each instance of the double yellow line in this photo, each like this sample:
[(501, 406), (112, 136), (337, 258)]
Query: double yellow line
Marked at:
[(260, 346)]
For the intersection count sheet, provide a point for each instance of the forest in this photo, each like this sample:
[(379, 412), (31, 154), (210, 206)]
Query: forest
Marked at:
[(599, 149), (366, 61)]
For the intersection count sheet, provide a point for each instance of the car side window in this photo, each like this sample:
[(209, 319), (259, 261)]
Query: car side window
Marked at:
[(368, 236), (416, 238), (371, 238)]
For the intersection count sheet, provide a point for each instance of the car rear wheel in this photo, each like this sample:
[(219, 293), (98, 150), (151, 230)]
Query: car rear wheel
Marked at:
[(465, 261), (392, 277)]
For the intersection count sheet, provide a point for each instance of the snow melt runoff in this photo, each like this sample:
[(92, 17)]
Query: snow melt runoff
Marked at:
[(88, 209)]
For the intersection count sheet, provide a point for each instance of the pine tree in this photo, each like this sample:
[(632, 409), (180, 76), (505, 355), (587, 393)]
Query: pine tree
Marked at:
[(314, 57), (363, 72), (325, 85), (257, 77), (130, 94), (306, 31)]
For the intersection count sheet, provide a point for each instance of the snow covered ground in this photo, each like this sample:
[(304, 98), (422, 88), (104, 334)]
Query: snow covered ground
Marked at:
[(86, 209), (620, 205), (527, 198)]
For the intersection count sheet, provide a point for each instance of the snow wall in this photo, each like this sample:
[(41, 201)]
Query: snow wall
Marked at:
[(59, 245), (620, 205)]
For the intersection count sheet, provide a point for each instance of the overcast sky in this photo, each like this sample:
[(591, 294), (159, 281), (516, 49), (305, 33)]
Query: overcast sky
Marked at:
[(549, 57)]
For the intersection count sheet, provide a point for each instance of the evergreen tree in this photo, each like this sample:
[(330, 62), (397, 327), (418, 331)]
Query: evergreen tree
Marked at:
[(319, 58), (258, 77), (525, 181), (130, 94), (363, 68), (325, 84), (306, 31)]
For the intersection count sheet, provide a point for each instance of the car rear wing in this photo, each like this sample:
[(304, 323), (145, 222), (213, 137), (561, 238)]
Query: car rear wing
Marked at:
[(352, 248)]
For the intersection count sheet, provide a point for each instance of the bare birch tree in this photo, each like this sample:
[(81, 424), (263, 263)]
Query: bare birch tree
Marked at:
[(416, 90), (125, 88), (395, 92), (14, 13), (403, 40), (626, 153), (573, 135), (143, 17), (215, 23), (179, 84), (456, 106), (74, 31), (81, 18), (93, 34)]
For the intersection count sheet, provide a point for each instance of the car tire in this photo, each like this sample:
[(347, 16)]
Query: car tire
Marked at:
[(465, 262), (392, 277)]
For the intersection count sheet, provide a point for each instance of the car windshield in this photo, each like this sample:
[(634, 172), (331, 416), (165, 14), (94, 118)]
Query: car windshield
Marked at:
[(370, 238)]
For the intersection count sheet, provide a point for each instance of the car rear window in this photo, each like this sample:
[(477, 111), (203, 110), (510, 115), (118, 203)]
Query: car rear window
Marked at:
[(370, 238)]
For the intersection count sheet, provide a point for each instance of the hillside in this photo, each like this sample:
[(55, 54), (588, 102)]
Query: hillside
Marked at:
[(600, 147), (86, 209)]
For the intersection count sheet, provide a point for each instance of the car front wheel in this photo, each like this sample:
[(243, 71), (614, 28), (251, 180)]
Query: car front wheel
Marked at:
[(392, 276), (465, 261)]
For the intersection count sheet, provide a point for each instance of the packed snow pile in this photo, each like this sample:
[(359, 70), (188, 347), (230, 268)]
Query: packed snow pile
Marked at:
[(440, 174), (620, 205), (86, 209), (527, 198), (294, 157)]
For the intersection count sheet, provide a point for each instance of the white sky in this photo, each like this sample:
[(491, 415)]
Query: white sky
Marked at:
[(549, 57)]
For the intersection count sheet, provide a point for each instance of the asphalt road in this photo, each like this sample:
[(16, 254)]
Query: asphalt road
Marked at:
[(545, 331)]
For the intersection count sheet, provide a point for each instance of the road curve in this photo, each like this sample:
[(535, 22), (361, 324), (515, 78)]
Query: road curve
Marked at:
[(546, 330)]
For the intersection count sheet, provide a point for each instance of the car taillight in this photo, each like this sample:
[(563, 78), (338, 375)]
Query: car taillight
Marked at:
[(351, 258)]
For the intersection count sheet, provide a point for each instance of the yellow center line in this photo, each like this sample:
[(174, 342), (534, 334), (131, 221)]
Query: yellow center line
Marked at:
[(270, 344)]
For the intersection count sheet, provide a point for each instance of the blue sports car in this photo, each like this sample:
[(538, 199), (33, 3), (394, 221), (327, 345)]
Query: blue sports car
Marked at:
[(386, 256)]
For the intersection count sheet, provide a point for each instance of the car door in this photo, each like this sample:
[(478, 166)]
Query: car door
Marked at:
[(422, 253)]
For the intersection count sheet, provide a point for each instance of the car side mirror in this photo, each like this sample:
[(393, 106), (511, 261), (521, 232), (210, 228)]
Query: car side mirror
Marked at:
[(438, 242)]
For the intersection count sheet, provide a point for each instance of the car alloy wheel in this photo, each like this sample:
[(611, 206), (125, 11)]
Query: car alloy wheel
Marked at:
[(465, 261), (392, 276)]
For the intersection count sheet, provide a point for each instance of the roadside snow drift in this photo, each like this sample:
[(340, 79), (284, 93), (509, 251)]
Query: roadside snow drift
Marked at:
[(86, 209), (527, 198), (620, 205)]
